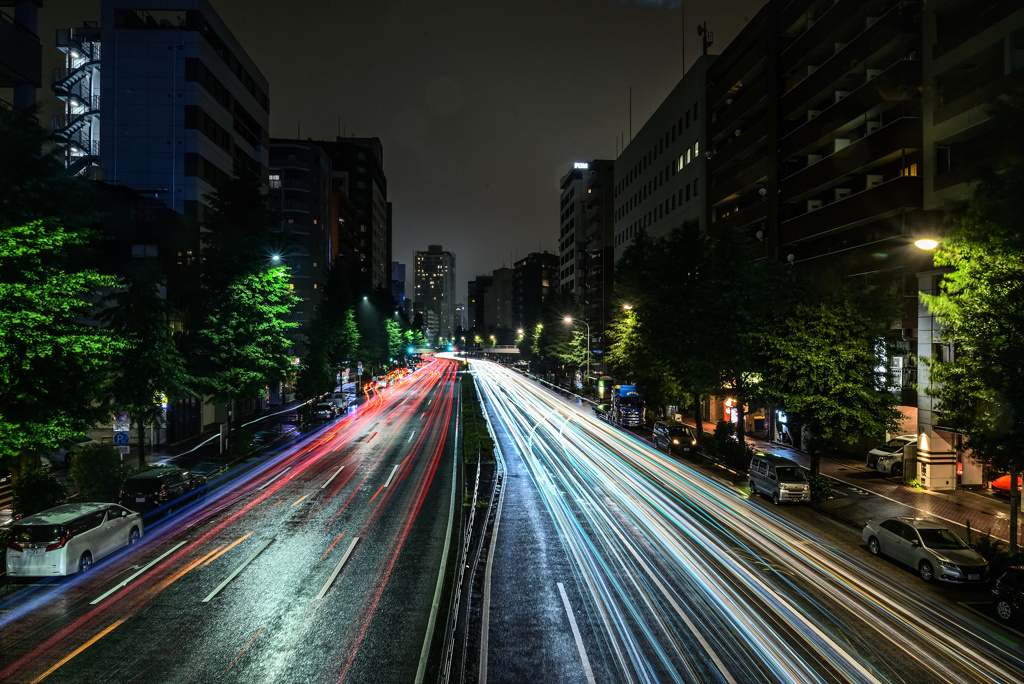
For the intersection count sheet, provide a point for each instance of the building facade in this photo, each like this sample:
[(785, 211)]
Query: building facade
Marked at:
[(534, 277), (76, 84), (660, 175), (358, 173), (183, 104), (300, 189), (435, 288), (21, 55)]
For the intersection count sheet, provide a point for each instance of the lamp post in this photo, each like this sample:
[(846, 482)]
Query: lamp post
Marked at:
[(570, 320)]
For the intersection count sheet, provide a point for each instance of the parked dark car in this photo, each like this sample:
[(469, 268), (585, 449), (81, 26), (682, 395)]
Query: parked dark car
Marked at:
[(324, 411), (154, 488), (1008, 594), (674, 437)]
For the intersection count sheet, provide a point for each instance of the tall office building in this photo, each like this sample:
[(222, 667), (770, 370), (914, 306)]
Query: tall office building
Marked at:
[(661, 174), (534, 278), (21, 55), (182, 103), (475, 303), (435, 287), (358, 172), (300, 189), (398, 284), (587, 241)]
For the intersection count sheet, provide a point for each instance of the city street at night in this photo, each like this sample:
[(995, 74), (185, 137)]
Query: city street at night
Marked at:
[(318, 563)]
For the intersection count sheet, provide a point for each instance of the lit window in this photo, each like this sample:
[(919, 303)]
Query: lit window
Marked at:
[(275, 180), (688, 155), (696, 148)]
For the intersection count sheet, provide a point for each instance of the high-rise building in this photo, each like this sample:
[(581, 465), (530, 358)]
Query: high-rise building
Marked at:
[(587, 241), (498, 304), (21, 55), (300, 189), (182, 103), (660, 174), (972, 55), (534, 278), (435, 287), (398, 284), (475, 305), (358, 172)]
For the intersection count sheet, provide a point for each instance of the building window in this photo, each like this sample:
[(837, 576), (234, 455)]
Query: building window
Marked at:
[(696, 149), (275, 181), (695, 180), (909, 170)]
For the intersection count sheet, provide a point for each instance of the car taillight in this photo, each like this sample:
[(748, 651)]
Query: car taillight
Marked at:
[(57, 545), (163, 490), (13, 545)]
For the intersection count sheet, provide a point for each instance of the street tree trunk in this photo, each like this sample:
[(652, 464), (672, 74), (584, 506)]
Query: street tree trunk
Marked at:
[(698, 416)]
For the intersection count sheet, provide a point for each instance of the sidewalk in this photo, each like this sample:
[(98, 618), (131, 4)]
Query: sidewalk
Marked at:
[(876, 495)]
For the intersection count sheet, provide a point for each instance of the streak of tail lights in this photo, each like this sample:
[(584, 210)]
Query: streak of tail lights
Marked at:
[(690, 581)]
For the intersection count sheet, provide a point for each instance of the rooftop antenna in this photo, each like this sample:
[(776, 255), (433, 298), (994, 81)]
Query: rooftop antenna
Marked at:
[(708, 36)]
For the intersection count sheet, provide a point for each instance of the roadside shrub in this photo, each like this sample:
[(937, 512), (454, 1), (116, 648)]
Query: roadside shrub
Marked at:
[(821, 487), (723, 446), (37, 490), (475, 440), (97, 472), (995, 552)]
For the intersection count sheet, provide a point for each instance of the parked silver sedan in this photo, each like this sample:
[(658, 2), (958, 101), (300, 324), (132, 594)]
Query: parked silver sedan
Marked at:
[(927, 546)]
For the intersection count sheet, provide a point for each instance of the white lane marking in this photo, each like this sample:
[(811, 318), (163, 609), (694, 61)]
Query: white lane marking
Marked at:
[(334, 574), (411, 436), (239, 569), (125, 583), (332, 477), (267, 484), (393, 470), (576, 635)]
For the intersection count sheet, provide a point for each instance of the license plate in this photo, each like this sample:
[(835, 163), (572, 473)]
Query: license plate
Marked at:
[(974, 577), (140, 499), (35, 552)]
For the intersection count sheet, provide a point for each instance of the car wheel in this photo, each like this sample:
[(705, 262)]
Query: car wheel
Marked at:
[(775, 498), (85, 562), (753, 490), (874, 547), (926, 571), (1004, 609), (133, 536)]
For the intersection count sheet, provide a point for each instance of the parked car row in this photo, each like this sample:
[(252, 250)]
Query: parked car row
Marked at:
[(151, 489)]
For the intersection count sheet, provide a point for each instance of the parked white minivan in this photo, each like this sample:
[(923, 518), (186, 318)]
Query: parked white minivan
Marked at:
[(69, 538), (779, 478)]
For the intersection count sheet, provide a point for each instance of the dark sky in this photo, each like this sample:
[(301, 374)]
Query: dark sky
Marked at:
[(481, 106)]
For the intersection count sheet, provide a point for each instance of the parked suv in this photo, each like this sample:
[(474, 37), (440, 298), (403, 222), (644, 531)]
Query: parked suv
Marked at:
[(928, 547), (69, 538), (1008, 594), (779, 478), (151, 489), (674, 437), (892, 448)]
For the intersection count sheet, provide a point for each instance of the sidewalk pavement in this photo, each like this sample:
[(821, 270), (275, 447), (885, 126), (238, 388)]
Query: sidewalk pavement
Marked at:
[(871, 494)]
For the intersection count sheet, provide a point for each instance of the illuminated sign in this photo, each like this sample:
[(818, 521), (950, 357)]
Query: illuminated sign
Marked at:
[(581, 165)]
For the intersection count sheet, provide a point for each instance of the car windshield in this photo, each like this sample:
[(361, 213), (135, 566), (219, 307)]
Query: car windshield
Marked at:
[(142, 485), (37, 534), (939, 538), (630, 401), (893, 445), (679, 432), (789, 474)]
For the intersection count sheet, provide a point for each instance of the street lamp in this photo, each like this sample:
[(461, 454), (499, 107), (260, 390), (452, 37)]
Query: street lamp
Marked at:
[(570, 320)]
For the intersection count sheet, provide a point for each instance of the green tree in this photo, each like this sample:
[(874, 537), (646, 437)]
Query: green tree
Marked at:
[(50, 356), (823, 361), (981, 389), (149, 363), (236, 340)]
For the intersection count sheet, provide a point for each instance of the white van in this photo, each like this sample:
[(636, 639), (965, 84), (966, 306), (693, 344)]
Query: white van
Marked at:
[(69, 538), (779, 478)]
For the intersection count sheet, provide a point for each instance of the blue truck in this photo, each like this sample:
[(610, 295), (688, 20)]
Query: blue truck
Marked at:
[(626, 407)]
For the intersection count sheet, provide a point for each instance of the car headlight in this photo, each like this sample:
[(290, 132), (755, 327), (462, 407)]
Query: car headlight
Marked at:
[(947, 564), (782, 485), (675, 441)]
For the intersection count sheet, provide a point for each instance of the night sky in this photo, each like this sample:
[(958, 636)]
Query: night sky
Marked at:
[(481, 106)]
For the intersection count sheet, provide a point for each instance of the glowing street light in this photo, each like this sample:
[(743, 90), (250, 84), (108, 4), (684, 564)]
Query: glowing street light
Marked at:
[(926, 244)]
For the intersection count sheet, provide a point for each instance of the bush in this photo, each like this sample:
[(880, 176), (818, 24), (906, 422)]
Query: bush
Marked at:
[(997, 555), (821, 487), (476, 439), (723, 446), (97, 472), (37, 490)]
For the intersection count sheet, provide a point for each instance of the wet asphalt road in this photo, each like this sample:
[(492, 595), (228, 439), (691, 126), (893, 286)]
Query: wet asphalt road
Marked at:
[(373, 488), (674, 574)]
